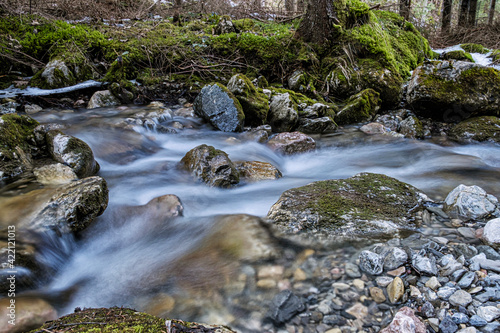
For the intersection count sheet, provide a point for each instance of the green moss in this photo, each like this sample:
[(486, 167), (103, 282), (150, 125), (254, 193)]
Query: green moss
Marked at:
[(254, 103), (244, 24), (112, 320), (16, 131), (359, 108), (495, 56), (457, 55), (474, 48), (486, 128)]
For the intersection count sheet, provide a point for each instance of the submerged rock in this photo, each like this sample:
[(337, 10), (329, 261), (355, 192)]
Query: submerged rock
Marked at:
[(255, 171), (218, 106), (365, 205), (284, 306), (291, 143), (452, 91), (210, 165)]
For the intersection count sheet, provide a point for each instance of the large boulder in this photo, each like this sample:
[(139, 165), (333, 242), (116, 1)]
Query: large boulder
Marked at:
[(364, 205), (218, 106), (17, 144), (56, 74), (452, 91), (101, 99), (359, 108), (283, 113), (485, 128), (210, 165), (470, 203), (73, 152), (289, 143), (255, 103)]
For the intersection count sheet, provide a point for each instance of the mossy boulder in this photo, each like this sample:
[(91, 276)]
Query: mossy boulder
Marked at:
[(254, 102), (365, 205), (17, 144), (101, 99), (359, 108), (210, 165), (218, 106), (486, 128), (474, 48), (55, 74), (411, 127), (73, 152), (452, 91), (283, 113), (495, 56), (111, 320), (457, 55)]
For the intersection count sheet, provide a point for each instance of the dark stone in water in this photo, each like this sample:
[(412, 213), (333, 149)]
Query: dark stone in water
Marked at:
[(284, 306)]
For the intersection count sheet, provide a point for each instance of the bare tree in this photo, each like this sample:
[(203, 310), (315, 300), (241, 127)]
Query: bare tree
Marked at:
[(446, 16), (177, 11), (463, 13), (290, 6), (491, 13), (404, 8), (471, 17), (301, 6)]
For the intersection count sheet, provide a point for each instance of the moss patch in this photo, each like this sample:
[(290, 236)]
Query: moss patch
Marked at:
[(360, 107), (457, 55), (485, 128), (16, 131), (474, 48), (114, 320)]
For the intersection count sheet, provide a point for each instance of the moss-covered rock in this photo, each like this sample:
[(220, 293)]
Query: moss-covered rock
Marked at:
[(210, 165), (359, 108), (218, 106), (452, 91), (474, 48), (365, 205), (112, 320), (457, 55), (283, 113), (255, 104), (411, 127), (486, 128)]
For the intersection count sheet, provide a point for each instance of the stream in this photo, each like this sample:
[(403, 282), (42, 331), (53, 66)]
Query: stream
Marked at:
[(125, 260)]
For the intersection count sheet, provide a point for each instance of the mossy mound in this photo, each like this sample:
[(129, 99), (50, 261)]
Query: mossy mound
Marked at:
[(474, 48), (112, 320), (16, 131), (364, 205), (452, 91), (485, 128), (457, 55), (254, 102), (359, 108)]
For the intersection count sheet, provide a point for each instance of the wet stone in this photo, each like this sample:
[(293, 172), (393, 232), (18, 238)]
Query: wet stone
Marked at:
[(433, 283), (428, 310), (371, 262), (460, 298), (489, 252), (477, 321), (395, 258), (447, 325), (377, 294), (284, 306), (460, 318), (352, 270), (395, 290), (466, 280), (457, 275), (489, 313), (383, 281), (424, 265)]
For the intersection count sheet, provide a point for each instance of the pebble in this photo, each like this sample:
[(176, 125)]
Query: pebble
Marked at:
[(424, 265), (358, 284), (489, 313), (468, 330), (371, 262), (340, 286), (427, 310), (377, 294), (467, 280), (299, 275), (460, 298), (397, 272), (395, 290), (477, 321), (434, 322), (433, 283), (460, 318), (395, 258), (446, 292), (447, 325), (467, 232), (352, 270), (358, 310), (383, 281), (414, 292)]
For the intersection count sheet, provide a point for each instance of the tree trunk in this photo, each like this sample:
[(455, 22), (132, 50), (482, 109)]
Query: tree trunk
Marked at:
[(317, 24), (301, 6), (289, 6), (177, 12), (471, 17), (446, 16), (404, 8), (491, 13), (463, 13)]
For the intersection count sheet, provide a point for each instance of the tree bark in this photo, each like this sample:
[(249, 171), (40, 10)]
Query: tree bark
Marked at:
[(446, 16), (463, 13), (471, 17), (177, 12), (317, 24), (301, 6), (404, 8), (491, 13), (289, 6)]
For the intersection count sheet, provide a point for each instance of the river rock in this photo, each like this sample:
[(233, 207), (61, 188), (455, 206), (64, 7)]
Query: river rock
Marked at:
[(452, 91), (289, 143), (411, 128), (489, 313), (405, 321), (55, 74), (485, 128), (395, 290), (396, 257), (29, 314), (359, 108), (321, 125), (485, 263), (218, 106), (158, 209), (470, 202), (283, 114), (73, 152), (424, 265), (460, 298), (210, 165), (447, 325), (54, 174), (257, 171), (377, 294), (491, 233), (255, 104), (477, 321), (101, 99), (363, 205), (373, 128), (371, 262), (284, 306)]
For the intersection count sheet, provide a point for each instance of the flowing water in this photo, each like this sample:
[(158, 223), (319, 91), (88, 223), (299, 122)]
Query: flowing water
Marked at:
[(124, 259)]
